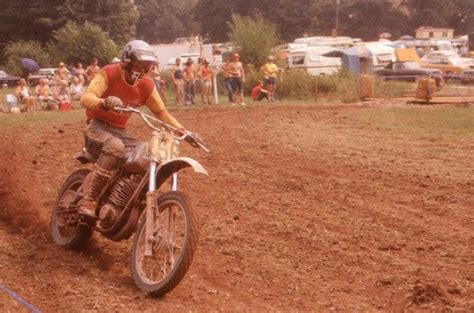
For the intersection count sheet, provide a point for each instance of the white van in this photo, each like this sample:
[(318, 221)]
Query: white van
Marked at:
[(312, 60)]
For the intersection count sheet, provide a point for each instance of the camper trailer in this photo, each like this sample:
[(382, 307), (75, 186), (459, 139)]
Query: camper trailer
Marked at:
[(340, 42), (312, 60), (377, 55)]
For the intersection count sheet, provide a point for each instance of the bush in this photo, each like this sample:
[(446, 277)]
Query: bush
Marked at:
[(15, 51), (74, 43), (254, 38)]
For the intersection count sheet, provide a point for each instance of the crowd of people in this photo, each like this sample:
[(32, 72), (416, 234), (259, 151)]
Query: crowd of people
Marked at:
[(68, 83)]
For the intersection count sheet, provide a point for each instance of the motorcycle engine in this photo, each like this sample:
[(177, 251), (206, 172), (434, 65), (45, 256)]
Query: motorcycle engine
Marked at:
[(122, 191)]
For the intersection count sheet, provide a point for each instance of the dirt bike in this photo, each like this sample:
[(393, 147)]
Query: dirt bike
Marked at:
[(165, 224)]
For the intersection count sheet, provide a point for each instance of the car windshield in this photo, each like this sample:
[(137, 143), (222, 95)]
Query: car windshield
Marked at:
[(45, 72), (3, 74)]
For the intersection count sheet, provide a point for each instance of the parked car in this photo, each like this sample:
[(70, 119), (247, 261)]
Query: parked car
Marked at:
[(35, 78), (448, 62), (8, 80), (406, 71), (467, 76)]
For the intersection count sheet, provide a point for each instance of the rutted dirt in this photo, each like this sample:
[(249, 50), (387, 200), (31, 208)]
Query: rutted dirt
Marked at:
[(305, 209)]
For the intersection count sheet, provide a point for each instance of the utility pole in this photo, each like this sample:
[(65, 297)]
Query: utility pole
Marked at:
[(337, 19)]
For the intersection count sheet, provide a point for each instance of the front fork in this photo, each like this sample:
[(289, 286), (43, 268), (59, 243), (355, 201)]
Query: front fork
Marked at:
[(150, 199)]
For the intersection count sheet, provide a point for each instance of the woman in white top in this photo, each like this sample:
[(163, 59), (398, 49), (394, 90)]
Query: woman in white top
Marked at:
[(23, 94)]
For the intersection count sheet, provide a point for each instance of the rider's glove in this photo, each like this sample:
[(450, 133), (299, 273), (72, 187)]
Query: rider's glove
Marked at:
[(193, 139), (111, 102)]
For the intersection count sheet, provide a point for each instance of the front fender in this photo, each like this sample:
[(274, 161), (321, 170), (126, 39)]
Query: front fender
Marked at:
[(166, 169)]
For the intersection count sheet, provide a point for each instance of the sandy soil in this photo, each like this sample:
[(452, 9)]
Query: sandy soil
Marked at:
[(306, 208)]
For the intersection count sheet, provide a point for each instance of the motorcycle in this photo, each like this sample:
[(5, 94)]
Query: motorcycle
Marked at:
[(164, 222)]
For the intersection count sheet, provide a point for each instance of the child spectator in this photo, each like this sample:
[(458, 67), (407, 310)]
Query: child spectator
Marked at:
[(23, 94), (258, 93)]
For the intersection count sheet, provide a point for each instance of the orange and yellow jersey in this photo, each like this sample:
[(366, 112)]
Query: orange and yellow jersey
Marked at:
[(111, 82), (270, 70)]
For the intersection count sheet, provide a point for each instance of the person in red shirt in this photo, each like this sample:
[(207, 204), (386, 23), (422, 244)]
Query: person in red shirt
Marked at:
[(258, 93), (106, 135)]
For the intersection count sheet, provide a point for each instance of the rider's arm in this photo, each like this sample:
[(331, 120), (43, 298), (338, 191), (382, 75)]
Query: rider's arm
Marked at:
[(156, 105), (92, 97)]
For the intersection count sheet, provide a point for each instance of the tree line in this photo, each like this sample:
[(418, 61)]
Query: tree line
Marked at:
[(42, 24)]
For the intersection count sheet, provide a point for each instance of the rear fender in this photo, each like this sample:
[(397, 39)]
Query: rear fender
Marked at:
[(165, 170)]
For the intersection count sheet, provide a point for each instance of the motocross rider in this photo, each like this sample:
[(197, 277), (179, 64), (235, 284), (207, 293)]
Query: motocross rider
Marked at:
[(106, 137)]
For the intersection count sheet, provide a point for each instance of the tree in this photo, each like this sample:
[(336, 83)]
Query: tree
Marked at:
[(80, 43), (253, 37), (161, 20), (15, 51), (117, 17)]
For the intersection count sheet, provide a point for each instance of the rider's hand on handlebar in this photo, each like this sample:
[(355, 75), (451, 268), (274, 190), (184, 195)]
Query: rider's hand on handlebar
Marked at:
[(111, 102), (194, 139)]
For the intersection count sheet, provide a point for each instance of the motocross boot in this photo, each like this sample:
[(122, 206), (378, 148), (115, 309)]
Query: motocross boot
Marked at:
[(93, 185)]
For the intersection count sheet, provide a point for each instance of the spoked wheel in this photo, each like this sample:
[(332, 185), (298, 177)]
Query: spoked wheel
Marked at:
[(67, 228), (175, 235)]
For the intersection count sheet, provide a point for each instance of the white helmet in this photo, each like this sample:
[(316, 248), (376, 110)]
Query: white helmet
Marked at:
[(138, 50)]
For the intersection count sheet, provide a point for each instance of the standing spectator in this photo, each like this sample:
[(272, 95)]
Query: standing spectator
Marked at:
[(258, 93), (80, 73), (227, 80), (270, 73), (65, 74), (93, 69), (237, 74), (189, 77), (43, 93), (23, 94), (154, 74), (205, 74), (76, 89), (178, 82)]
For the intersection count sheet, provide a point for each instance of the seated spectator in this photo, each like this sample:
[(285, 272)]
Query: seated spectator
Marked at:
[(23, 94), (43, 94), (258, 93), (76, 89), (63, 94)]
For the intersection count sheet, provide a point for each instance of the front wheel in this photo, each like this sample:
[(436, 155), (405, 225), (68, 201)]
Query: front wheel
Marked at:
[(67, 229), (175, 235)]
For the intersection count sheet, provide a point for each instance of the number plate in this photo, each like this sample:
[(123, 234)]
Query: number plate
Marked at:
[(163, 147)]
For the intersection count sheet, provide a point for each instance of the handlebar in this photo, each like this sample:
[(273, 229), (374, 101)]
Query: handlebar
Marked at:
[(190, 137)]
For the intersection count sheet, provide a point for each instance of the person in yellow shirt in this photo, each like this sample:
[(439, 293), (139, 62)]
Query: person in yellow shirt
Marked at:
[(270, 72)]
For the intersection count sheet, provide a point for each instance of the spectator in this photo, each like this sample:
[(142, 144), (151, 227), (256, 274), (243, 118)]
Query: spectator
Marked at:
[(80, 73), (23, 94), (93, 69), (160, 84), (76, 89), (205, 74), (178, 82), (72, 70), (63, 94), (258, 93), (189, 77), (270, 73), (65, 74), (237, 74), (227, 80), (43, 93)]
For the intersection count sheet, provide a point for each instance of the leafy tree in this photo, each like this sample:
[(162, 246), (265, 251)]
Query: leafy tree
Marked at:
[(28, 20), (161, 20), (117, 17), (81, 43), (368, 19), (254, 38), (15, 51)]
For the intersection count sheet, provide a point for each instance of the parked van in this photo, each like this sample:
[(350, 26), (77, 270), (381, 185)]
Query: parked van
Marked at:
[(312, 60)]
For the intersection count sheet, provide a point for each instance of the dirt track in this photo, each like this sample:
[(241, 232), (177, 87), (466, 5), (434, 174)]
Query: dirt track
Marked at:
[(306, 208)]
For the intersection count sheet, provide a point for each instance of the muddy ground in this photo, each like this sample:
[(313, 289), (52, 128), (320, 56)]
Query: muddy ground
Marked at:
[(306, 208)]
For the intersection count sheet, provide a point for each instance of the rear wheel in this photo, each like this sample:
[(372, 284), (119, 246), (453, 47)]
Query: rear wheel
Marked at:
[(67, 228), (175, 235)]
